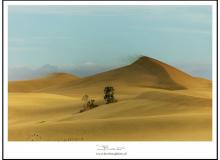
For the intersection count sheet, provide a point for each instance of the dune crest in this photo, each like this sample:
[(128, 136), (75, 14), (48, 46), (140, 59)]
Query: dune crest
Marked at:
[(40, 83), (145, 72)]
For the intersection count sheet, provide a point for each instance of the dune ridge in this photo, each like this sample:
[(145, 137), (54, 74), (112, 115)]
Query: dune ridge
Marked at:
[(143, 73), (40, 83)]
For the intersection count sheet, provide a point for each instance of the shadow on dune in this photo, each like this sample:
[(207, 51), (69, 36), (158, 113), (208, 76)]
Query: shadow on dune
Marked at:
[(173, 97), (160, 76)]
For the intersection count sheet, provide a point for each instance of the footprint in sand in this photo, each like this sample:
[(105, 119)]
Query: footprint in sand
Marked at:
[(35, 137)]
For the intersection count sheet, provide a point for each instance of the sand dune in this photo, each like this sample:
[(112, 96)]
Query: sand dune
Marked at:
[(143, 73), (155, 102), (138, 118), (161, 128), (37, 84)]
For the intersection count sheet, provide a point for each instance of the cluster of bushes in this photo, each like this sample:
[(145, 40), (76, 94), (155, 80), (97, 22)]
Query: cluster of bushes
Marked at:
[(90, 103)]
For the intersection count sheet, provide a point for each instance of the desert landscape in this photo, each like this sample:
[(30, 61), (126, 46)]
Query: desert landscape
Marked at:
[(155, 102)]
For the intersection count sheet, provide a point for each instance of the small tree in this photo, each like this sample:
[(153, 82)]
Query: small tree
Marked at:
[(109, 95), (88, 103), (85, 100)]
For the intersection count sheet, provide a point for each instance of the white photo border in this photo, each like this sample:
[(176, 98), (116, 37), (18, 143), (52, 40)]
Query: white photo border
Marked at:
[(88, 150)]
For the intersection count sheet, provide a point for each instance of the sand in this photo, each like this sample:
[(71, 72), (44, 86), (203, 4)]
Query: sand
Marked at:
[(40, 83), (156, 102)]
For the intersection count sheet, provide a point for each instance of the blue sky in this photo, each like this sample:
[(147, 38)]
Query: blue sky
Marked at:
[(98, 38)]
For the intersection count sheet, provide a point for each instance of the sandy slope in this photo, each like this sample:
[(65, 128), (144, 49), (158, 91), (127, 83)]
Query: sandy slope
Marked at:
[(145, 72), (155, 102), (55, 117), (37, 84)]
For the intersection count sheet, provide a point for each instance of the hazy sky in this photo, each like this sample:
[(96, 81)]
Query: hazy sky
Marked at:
[(97, 38)]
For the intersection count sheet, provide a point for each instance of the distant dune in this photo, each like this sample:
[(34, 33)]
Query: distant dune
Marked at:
[(156, 102), (44, 82)]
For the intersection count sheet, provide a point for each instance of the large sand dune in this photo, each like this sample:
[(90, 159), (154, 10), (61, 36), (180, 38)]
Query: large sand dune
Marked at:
[(155, 102), (145, 72)]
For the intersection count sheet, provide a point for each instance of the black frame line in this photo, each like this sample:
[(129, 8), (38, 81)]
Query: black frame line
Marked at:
[(106, 0)]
